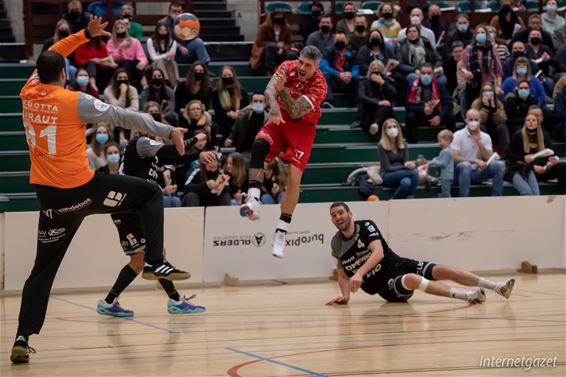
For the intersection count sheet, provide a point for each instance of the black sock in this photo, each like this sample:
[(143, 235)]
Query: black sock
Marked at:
[(169, 288), (125, 278), (26, 337)]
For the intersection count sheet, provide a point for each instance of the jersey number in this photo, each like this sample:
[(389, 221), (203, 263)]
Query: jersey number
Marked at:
[(50, 132)]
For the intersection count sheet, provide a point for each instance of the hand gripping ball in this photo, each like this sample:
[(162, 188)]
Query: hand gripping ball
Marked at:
[(187, 26)]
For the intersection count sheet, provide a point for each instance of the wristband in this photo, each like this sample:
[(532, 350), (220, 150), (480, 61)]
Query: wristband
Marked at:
[(87, 34)]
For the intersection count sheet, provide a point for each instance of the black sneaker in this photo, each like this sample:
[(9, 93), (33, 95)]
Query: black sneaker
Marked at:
[(21, 351), (164, 271)]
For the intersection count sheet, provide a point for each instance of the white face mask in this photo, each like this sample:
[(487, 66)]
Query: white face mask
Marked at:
[(473, 125), (392, 132), (415, 20)]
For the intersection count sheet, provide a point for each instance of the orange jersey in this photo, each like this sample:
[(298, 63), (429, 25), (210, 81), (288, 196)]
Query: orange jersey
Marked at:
[(54, 130)]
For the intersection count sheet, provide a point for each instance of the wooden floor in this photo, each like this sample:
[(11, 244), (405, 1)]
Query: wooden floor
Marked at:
[(286, 330)]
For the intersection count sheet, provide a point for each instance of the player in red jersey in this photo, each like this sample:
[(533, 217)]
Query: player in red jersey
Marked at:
[(294, 95)]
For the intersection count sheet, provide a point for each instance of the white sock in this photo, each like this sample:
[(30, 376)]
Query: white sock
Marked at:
[(458, 294), (254, 192), (282, 226), (484, 283)]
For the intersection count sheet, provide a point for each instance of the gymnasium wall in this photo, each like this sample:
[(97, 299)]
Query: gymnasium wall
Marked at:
[(473, 233)]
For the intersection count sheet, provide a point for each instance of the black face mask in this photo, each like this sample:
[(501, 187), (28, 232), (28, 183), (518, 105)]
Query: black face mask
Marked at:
[(535, 41), (63, 33), (198, 76), (74, 14), (435, 19), (162, 36), (121, 35), (156, 117), (120, 82), (325, 29), (387, 15), (506, 9), (349, 15), (340, 45), (157, 81), (227, 81), (316, 13), (375, 42), (127, 16), (279, 20), (360, 28), (518, 54)]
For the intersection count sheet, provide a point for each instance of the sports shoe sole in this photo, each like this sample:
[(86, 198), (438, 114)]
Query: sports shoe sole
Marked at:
[(172, 276), (19, 355), (186, 311), (509, 288), (112, 314)]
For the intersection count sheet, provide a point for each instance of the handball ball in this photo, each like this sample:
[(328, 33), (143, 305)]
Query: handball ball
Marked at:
[(373, 198), (187, 26)]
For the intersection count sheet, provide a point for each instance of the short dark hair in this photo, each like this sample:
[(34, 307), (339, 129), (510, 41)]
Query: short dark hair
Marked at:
[(457, 44), (428, 65), (175, 4), (256, 93), (340, 204), (311, 52), (317, 4), (49, 66)]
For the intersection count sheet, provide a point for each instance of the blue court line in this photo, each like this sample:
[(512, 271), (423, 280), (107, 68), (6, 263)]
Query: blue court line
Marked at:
[(277, 362), (124, 318)]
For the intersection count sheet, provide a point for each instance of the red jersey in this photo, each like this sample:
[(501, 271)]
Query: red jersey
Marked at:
[(313, 89)]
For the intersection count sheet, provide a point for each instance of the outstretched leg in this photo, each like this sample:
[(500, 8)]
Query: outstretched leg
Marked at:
[(288, 204), (443, 272), (413, 281), (260, 150)]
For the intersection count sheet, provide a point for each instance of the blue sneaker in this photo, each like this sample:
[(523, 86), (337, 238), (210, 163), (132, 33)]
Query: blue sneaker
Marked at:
[(114, 309), (183, 306)]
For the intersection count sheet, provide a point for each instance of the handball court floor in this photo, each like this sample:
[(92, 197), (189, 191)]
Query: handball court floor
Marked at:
[(286, 330)]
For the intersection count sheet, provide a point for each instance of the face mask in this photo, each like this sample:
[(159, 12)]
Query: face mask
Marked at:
[(82, 80), (120, 82), (375, 42), (113, 159), (64, 33), (388, 15), (121, 35), (258, 108), (488, 94), (325, 29), (227, 81), (392, 132), (74, 14), (535, 41), (415, 20), (156, 117), (518, 54), (198, 76), (157, 81), (473, 125), (340, 45), (426, 79), (316, 13), (551, 8), (481, 38), (462, 28), (360, 28), (349, 15), (162, 36), (127, 16), (376, 73), (279, 20), (521, 71), (101, 138), (435, 19), (524, 93), (506, 9)]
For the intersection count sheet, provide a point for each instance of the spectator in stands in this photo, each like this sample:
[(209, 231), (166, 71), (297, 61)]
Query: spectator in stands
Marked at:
[(359, 37), (445, 162), (161, 48), (347, 25), (158, 91), (195, 118), (559, 37), (340, 69), (195, 86), (371, 51), (518, 49), (323, 38), (429, 104), (274, 181), (175, 9), (534, 23), (376, 92), (522, 71), (128, 53), (207, 186), (396, 169), (62, 30), (112, 154), (93, 56), (460, 33), (543, 57), (313, 22), (247, 125), (520, 160), (551, 20), (386, 23), (235, 167), (560, 63), (480, 64), (517, 105), (83, 83), (120, 93), (493, 119), (416, 19), (451, 71), (134, 28), (96, 149), (167, 181), (76, 16), (560, 109), (471, 150), (228, 99), (498, 43), (272, 43), (506, 22), (436, 24)]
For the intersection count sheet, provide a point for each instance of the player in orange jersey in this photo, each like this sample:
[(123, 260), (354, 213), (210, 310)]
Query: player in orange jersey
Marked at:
[(54, 120)]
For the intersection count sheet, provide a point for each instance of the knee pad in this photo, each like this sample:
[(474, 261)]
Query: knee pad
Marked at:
[(260, 149)]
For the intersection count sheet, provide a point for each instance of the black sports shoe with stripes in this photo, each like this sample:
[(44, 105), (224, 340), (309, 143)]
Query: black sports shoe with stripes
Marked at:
[(20, 351), (164, 271)]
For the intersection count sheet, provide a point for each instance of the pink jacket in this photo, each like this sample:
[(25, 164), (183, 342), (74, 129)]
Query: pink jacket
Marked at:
[(135, 51)]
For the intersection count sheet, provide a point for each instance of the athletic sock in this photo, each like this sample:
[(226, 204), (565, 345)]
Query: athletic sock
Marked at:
[(458, 294), (254, 192), (284, 222), (169, 288), (19, 338), (484, 283), (125, 278)]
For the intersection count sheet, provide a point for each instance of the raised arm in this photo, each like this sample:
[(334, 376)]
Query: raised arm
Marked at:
[(295, 108)]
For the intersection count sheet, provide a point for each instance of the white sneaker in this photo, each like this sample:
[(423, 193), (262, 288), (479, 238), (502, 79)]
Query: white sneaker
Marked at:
[(373, 129), (505, 289), (477, 296), (250, 209), (278, 244)]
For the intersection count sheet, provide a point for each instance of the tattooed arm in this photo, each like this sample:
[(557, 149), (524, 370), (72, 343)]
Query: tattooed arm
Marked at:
[(295, 108), (271, 99)]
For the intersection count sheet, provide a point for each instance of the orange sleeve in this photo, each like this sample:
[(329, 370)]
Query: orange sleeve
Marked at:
[(67, 45)]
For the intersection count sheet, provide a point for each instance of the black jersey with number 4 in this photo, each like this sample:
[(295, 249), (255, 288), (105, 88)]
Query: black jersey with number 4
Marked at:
[(352, 253)]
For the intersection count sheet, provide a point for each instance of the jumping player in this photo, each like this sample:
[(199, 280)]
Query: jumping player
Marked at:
[(54, 120), (365, 261), (294, 95)]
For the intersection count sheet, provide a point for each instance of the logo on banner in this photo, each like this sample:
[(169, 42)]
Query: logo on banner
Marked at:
[(258, 239)]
